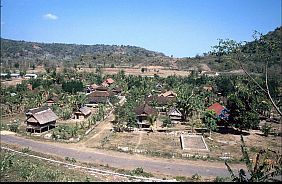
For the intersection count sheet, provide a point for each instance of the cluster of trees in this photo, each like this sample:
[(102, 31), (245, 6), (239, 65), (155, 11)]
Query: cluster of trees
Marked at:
[(239, 94), (72, 86)]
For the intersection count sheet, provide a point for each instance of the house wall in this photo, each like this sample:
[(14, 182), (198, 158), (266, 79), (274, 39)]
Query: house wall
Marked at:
[(141, 118), (39, 127)]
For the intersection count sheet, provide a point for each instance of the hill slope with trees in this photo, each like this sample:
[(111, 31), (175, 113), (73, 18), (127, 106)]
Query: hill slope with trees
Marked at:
[(255, 53), (26, 54)]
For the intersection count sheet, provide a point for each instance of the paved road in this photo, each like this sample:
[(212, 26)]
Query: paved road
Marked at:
[(153, 165)]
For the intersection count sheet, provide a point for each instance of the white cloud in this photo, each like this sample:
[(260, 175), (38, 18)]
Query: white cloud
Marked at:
[(50, 16)]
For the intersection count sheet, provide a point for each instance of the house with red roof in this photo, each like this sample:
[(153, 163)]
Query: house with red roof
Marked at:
[(219, 110), (108, 82)]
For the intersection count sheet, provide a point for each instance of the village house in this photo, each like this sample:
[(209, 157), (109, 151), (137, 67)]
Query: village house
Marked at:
[(175, 115), (102, 88), (40, 119), (160, 102), (91, 88), (220, 111), (142, 113), (208, 88), (108, 82), (116, 90), (82, 113), (168, 94), (52, 100), (98, 97)]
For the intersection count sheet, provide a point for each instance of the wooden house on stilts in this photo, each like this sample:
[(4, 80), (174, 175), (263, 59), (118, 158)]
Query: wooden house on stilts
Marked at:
[(40, 119)]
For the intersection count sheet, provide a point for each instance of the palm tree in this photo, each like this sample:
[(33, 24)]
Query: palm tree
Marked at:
[(152, 119), (210, 120)]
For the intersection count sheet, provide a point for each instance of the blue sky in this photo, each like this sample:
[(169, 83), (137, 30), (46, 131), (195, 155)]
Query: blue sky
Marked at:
[(175, 27)]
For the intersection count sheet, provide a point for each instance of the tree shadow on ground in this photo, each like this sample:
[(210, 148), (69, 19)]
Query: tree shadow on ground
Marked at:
[(231, 130)]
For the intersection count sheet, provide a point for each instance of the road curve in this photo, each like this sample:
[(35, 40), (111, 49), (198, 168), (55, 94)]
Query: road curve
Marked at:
[(149, 165)]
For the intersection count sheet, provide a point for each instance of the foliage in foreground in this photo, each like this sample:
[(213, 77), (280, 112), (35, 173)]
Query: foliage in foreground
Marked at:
[(140, 172), (14, 167), (266, 167)]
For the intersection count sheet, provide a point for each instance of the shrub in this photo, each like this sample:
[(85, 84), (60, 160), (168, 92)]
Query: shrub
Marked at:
[(196, 177), (140, 172), (71, 160), (14, 127), (266, 129), (167, 122), (25, 150), (72, 86), (222, 179), (180, 178)]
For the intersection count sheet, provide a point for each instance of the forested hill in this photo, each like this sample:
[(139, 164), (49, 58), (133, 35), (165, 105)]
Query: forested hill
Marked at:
[(256, 53), (268, 48), (38, 53)]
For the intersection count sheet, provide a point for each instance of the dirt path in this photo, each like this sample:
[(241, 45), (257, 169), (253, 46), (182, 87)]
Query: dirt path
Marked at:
[(102, 130), (174, 167), (139, 140), (99, 132)]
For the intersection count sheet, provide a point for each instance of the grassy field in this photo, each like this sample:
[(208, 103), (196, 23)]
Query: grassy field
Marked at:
[(20, 168)]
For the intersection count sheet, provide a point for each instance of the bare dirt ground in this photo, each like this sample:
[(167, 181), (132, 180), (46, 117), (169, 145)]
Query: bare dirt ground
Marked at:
[(151, 70), (12, 82), (99, 133), (74, 121), (221, 145)]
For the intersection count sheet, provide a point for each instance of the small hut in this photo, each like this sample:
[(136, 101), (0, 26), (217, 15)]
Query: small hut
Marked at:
[(38, 119), (116, 90), (169, 94), (52, 100), (82, 113), (175, 115)]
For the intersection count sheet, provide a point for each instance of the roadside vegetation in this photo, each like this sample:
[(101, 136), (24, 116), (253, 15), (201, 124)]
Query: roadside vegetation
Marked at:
[(18, 168)]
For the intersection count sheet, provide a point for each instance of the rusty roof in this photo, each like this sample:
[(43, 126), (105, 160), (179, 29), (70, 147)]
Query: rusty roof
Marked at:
[(217, 108), (145, 109)]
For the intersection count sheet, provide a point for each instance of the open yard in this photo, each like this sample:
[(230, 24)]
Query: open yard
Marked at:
[(168, 144)]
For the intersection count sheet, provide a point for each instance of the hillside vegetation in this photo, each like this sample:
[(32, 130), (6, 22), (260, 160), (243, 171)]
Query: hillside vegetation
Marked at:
[(24, 55), (255, 54), (28, 53)]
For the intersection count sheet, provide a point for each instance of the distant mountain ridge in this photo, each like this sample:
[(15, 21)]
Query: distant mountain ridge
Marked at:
[(27, 54), (98, 53)]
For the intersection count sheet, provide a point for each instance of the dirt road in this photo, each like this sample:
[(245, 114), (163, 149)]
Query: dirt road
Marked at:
[(172, 167)]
